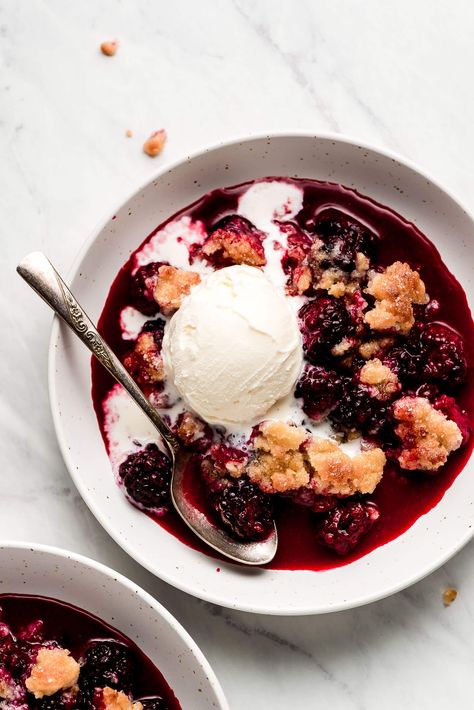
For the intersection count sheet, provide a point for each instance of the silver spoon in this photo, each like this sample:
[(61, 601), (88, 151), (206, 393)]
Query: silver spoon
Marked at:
[(43, 278)]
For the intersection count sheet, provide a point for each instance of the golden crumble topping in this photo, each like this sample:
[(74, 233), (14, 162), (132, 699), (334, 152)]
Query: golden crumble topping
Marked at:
[(362, 265), (53, 670), (334, 472), (190, 428), (300, 281), (395, 291), (233, 467), (147, 349), (343, 347), (7, 690), (287, 460), (172, 286), (382, 381), (278, 437), (117, 700), (279, 465), (335, 281), (427, 435), (145, 363), (375, 347), (233, 247)]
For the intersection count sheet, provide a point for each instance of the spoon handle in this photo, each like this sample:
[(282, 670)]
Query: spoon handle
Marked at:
[(43, 278)]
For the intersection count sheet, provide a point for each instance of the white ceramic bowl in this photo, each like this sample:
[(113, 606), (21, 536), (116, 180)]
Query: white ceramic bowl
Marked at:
[(388, 179), (56, 573)]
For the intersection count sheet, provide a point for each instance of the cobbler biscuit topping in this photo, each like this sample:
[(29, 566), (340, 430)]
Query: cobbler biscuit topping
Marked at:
[(336, 473), (427, 435), (279, 465), (376, 365), (171, 287), (395, 291), (234, 241), (145, 363), (376, 347), (117, 700), (333, 279), (9, 689), (382, 382), (53, 670), (193, 432), (288, 459)]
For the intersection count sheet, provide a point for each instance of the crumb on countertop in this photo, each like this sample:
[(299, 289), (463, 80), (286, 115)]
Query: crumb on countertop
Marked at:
[(155, 143), (109, 48), (449, 596)]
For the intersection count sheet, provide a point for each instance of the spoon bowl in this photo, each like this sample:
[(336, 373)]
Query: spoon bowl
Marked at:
[(43, 278)]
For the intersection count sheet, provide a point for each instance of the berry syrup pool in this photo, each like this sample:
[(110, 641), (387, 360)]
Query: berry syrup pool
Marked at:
[(402, 497)]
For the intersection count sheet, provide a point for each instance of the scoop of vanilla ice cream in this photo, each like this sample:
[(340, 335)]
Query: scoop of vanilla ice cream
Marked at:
[(233, 348)]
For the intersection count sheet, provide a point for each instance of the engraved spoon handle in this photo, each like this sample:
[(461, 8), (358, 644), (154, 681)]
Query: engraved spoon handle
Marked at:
[(43, 278)]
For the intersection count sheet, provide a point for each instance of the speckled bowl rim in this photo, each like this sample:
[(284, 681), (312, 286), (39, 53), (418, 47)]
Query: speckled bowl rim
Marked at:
[(208, 594), (139, 592)]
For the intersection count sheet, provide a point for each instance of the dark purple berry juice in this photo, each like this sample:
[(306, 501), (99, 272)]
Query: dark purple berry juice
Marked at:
[(402, 496)]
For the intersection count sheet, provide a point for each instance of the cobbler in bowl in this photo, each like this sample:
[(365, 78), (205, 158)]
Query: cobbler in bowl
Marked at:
[(55, 656), (364, 431)]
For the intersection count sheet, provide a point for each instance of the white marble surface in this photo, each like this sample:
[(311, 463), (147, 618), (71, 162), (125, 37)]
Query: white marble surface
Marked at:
[(397, 74)]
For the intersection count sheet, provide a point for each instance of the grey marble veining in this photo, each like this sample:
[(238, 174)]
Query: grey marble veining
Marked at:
[(396, 74)]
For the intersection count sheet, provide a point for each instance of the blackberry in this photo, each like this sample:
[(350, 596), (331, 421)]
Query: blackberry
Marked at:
[(359, 411), (157, 328), (59, 701), (442, 357), (433, 353), (17, 656), (324, 322), (345, 525), (426, 312), (32, 632), (143, 283), (309, 499), (235, 230), (320, 390), (243, 510), (298, 245), (106, 664), (343, 237), (146, 476)]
